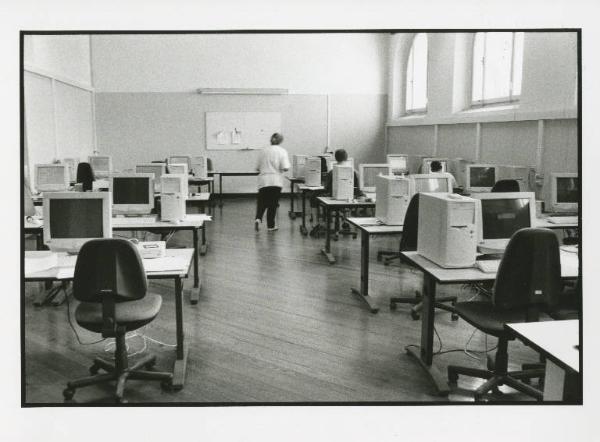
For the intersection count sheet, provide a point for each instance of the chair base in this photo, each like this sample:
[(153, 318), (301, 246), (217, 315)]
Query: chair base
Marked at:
[(494, 380), (120, 376), (417, 303)]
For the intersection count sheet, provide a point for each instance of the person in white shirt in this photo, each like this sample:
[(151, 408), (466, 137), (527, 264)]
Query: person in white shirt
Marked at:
[(273, 161), (436, 167)]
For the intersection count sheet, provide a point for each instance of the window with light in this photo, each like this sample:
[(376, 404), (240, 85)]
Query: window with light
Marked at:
[(416, 76)]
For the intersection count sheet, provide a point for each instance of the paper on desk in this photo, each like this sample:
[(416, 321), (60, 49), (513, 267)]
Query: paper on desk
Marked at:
[(65, 272), (198, 217), (165, 264)]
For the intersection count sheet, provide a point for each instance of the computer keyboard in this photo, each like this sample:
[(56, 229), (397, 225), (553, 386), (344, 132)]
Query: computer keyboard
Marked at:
[(563, 219), (135, 220), (488, 266)]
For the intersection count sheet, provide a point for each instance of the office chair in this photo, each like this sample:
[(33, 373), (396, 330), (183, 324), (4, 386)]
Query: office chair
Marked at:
[(408, 242), (85, 176), (110, 283), (528, 282), (506, 186)]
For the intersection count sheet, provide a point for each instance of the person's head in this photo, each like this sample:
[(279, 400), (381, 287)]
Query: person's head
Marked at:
[(341, 155), (276, 139), (435, 166)]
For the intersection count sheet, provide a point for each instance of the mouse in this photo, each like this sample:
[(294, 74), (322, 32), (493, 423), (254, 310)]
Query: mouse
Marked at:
[(34, 221), (134, 240)]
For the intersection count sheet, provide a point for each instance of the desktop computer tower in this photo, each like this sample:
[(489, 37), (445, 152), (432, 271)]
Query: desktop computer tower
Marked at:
[(447, 233), (342, 182), (200, 167), (172, 207), (298, 165), (392, 198), (312, 171)]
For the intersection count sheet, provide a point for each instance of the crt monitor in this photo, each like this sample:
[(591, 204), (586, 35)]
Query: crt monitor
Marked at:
[(72, 218), (132, 193), (368, 174), (178, 159), (502, 214), (71, 164), (156, 169), (51, 177), (426, 166), (480, 177), (101, 165), (179, 168), (430, 183), (399, 163), (564, 189)]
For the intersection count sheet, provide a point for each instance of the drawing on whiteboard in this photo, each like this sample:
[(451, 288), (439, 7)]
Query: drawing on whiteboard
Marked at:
[(236, 136), (222, 138)]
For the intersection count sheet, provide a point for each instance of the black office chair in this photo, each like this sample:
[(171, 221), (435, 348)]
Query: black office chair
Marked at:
[(506, 186), (408, 242), (528, 282), (85, 176), (111, 284)]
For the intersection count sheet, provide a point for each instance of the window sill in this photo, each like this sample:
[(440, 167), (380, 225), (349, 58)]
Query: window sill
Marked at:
[(491, 108)]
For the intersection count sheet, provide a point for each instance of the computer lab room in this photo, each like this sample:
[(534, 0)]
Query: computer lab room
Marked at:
[(349, 217)]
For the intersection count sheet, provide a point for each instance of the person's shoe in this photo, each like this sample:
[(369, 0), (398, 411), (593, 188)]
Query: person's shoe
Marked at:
[(257, 224), (272, 229)]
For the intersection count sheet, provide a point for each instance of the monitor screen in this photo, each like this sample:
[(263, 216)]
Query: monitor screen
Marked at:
[(503, 217), (100, 164), (567, 190), (482, 176), (370, 175), (398, 163), (157, 169), (76, 218), (130, 190), (431, 185), (50, 175)]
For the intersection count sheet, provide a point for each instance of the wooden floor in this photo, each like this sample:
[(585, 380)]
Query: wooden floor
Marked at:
[(275, 323)]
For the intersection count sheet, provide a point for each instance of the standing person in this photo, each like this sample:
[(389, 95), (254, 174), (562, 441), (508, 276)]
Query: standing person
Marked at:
[(273, 161)]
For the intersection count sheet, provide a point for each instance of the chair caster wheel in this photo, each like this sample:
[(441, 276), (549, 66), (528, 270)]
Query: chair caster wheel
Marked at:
[(454, 317), (414, 315), (392, 305), (68, 393), (120, 400), (478, 397), (94, 370), (167, 385)]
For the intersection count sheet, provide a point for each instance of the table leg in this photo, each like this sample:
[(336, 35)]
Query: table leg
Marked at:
[(425, 355), (181, 349), (363, 293), (327, 250), (303, 230), (220, 190), (291, 213), (195, 290), (203, 246)]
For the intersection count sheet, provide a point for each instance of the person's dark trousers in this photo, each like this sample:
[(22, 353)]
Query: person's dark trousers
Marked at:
[(268, 199)]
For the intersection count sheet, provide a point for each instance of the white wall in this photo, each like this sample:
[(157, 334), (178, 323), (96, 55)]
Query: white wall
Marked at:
[(303, 63), (59, 98)]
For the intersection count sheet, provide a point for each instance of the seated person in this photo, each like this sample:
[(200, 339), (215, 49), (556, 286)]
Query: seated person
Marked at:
[(340, 157), (436, 168)]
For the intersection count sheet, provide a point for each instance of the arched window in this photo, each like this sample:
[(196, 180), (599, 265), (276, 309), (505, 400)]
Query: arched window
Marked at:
[(497, 67), (416, 76)]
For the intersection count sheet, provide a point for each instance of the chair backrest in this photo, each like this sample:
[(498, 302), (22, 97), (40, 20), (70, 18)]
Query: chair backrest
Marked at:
[(506, 186), (410, 229), (209, 165), (85, 175), (112, 264), (529, 273)]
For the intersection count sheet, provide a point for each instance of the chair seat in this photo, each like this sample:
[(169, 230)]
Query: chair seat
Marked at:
[(488, 318), (564, 313), (131, 314)]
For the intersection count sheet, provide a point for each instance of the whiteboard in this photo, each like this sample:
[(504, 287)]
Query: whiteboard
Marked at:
[(240, 130)]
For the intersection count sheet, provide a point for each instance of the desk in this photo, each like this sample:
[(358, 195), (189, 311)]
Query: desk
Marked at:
[(555, 340), (543, 223), (292, 214), (330, 205), (306, 189), (434, 274), (368, 227), (185, 255), (199, 181), (193, 222), (229, 173), (202, 198)]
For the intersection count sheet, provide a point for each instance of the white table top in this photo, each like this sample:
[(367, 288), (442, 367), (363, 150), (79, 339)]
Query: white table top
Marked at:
[(543, 223), (305, 187), (202, 196), (555, 339), (191, 220), (373, 226), (569, 269), (175, 263), (192, 178), (329, 201)]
